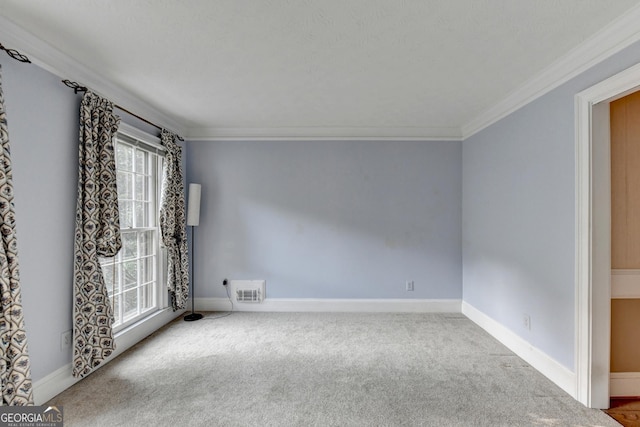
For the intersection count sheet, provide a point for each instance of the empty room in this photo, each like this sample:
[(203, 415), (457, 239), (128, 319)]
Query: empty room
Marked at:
[(320, 213)]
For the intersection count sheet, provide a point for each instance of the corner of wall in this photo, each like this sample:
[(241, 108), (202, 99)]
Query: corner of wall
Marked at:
[(539, 360)]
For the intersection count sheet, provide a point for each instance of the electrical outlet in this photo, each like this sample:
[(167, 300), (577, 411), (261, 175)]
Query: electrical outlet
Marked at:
[(526, 322), (409, 285), (65, 340)]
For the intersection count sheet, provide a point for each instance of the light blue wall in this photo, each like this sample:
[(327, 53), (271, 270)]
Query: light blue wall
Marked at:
[(519, 215), (43, 121), (42, 116), (331, 219)]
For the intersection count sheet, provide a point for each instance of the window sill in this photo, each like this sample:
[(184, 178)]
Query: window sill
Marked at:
[(133, 334)]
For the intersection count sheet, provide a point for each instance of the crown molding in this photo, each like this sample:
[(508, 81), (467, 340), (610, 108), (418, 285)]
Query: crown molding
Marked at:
[(55, 61), (62, 65), (326, 133), (616, 36)]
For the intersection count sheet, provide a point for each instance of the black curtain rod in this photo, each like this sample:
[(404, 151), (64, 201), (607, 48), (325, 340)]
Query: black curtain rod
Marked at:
[(76, 87), (79, 88), (15, 54)]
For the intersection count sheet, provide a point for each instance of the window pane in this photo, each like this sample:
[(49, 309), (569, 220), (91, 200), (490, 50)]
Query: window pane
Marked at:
[(130, 274), (131, 303), (117, 282), (115, 303), (107, 273), (141, 161), (153, 214), (124, 157), (146, 270), (146, 243), (129, 245), (146, 297), (105, 261), (140, 211), (141, 187), (111, 273), (125, 185), (126, 213)]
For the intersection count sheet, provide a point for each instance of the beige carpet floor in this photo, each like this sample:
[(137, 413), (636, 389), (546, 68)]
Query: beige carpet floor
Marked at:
[(321, 369)]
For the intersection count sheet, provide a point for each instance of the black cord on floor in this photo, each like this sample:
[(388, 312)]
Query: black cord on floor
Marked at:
[(226, 314)]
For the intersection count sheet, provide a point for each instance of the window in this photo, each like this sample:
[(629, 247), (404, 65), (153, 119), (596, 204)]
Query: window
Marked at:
[(134, 276)]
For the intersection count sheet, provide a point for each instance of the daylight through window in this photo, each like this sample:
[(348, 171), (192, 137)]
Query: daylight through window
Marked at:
[(134, 275)]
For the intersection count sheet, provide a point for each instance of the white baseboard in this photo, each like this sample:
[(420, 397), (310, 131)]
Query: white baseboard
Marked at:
[(624, 384), (334, 305), (539, 360), (61, 379), (53, 384), (625, 284)]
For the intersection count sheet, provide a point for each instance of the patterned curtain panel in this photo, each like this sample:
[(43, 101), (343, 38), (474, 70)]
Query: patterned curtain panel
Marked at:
[(173, 225), (97, 234), (15, 368)]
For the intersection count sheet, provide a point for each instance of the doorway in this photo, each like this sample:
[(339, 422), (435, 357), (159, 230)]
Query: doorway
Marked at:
[(625, 246), (593, 235)]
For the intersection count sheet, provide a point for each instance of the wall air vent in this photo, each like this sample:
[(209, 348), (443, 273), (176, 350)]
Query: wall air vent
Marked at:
[(248, 295), (248, 291)]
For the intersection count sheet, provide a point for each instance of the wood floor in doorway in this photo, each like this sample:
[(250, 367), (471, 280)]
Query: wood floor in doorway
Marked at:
[(626, 411)]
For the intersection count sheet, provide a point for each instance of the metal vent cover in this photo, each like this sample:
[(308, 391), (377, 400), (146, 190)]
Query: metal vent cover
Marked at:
[(248, 291), (248, 295)]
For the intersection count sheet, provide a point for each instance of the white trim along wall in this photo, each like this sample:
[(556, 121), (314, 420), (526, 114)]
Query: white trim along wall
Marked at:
[(334, 305), (619, 34), (625, 284), (61, 379), (539, 360), (624, 384)]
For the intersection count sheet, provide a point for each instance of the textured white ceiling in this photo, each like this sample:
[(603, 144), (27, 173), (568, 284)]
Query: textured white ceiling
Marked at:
[(302, 67)]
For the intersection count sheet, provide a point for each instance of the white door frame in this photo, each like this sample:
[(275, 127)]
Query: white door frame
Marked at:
[(593, 235)]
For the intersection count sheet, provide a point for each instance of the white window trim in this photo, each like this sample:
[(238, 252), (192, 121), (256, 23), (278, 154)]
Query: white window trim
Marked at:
[(152, 143)]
